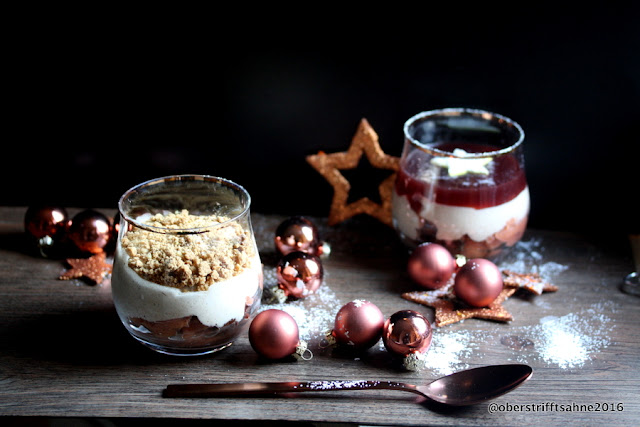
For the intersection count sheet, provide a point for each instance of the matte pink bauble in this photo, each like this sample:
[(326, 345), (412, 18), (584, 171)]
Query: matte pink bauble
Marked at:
[(431, 265), (274, 334), (358, 324), (478, 282)]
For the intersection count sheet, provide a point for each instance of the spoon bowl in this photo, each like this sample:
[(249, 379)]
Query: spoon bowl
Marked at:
[(476, 385), (462, 388)]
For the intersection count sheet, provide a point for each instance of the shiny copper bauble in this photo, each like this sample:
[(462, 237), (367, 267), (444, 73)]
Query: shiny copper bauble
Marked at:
[(358, 324), (90, 231), (299, 274), (431, 265), (478, 282), (297, 233), (42, 221), (274, 334), (407, 332)]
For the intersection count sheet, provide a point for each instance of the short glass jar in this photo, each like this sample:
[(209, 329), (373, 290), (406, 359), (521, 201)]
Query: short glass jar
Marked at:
[(187, 275), (461, 182)]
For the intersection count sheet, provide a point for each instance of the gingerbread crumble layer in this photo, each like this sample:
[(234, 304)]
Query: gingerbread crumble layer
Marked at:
[(190, 262)]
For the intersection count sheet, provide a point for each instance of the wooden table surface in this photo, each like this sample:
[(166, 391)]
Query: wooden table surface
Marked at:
[(64, 352)]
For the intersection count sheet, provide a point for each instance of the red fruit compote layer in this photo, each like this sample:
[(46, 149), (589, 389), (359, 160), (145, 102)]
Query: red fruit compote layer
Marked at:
[(472, 206)]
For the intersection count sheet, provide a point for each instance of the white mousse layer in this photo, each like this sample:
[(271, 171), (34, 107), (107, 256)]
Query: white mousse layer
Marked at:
[(224, 301), (453, 222)]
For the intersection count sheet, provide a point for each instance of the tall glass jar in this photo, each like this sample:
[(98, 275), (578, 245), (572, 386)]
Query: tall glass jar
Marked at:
[(462, 182), (187, 275)]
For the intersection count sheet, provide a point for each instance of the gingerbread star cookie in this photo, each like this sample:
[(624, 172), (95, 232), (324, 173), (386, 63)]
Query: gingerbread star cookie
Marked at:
[(531, 282), (448, 309), (94, 268), (329, 165)]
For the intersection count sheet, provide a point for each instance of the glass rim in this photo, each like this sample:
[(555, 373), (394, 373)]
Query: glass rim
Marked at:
[(459, 112), (185, 178)]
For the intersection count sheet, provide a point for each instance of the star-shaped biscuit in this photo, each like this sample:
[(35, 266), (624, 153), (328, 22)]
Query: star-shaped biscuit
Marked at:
[(531, 282), (94, 268), (449, 309), (329, 165), (458, 166)]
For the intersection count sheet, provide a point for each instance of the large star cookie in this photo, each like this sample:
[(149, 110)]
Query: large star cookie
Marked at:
[(329, 165), (448, 309)]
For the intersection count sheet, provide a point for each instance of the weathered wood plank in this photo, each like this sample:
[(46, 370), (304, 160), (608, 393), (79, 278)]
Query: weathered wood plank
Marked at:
[(63, 351)]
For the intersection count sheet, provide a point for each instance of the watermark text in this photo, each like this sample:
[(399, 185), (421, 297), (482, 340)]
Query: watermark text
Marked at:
[(556, 407)]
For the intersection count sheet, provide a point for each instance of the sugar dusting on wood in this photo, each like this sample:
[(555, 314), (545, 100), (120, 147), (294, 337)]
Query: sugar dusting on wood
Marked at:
[(566, 342), (315, 314), (450, 351), (527, 257)]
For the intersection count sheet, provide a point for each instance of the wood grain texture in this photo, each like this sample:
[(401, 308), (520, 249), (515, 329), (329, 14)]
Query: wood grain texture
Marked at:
[(64, 352)]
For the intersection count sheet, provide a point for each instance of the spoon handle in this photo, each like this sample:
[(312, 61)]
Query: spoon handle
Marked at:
[(257, 389)]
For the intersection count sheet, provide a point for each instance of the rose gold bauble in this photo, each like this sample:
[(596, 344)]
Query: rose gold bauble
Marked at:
[(43, 221), (431, 265), (299, 274), (297, 233), (90, 231), (407, 332), (274, 334), (358, 324), (478, 282)]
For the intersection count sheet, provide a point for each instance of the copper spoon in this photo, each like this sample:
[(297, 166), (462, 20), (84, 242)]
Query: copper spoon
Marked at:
[(461, 388)]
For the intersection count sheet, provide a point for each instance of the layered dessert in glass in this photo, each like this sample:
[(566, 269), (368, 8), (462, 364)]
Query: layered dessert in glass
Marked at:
[(187, 275), (461, 182)]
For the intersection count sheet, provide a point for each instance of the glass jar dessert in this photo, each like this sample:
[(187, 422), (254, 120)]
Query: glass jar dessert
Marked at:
[(461, 182), (187, 275)]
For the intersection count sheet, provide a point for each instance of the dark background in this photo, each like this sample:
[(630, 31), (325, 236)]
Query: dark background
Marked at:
[(95, 108)]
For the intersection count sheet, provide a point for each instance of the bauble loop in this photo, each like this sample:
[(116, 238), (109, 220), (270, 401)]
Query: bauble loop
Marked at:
[(358, 324), (431, 265), (415, 361), (299, 274), (478, 283), (303, 352), (406, 332), (297, 233)]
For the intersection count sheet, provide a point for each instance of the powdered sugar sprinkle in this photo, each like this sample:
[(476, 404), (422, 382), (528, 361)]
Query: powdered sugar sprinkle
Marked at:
[(449, 351), (563, 341), (314, 314), (569, 341)]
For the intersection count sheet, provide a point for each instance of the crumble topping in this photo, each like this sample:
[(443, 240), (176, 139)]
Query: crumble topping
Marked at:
[(190, 262)]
